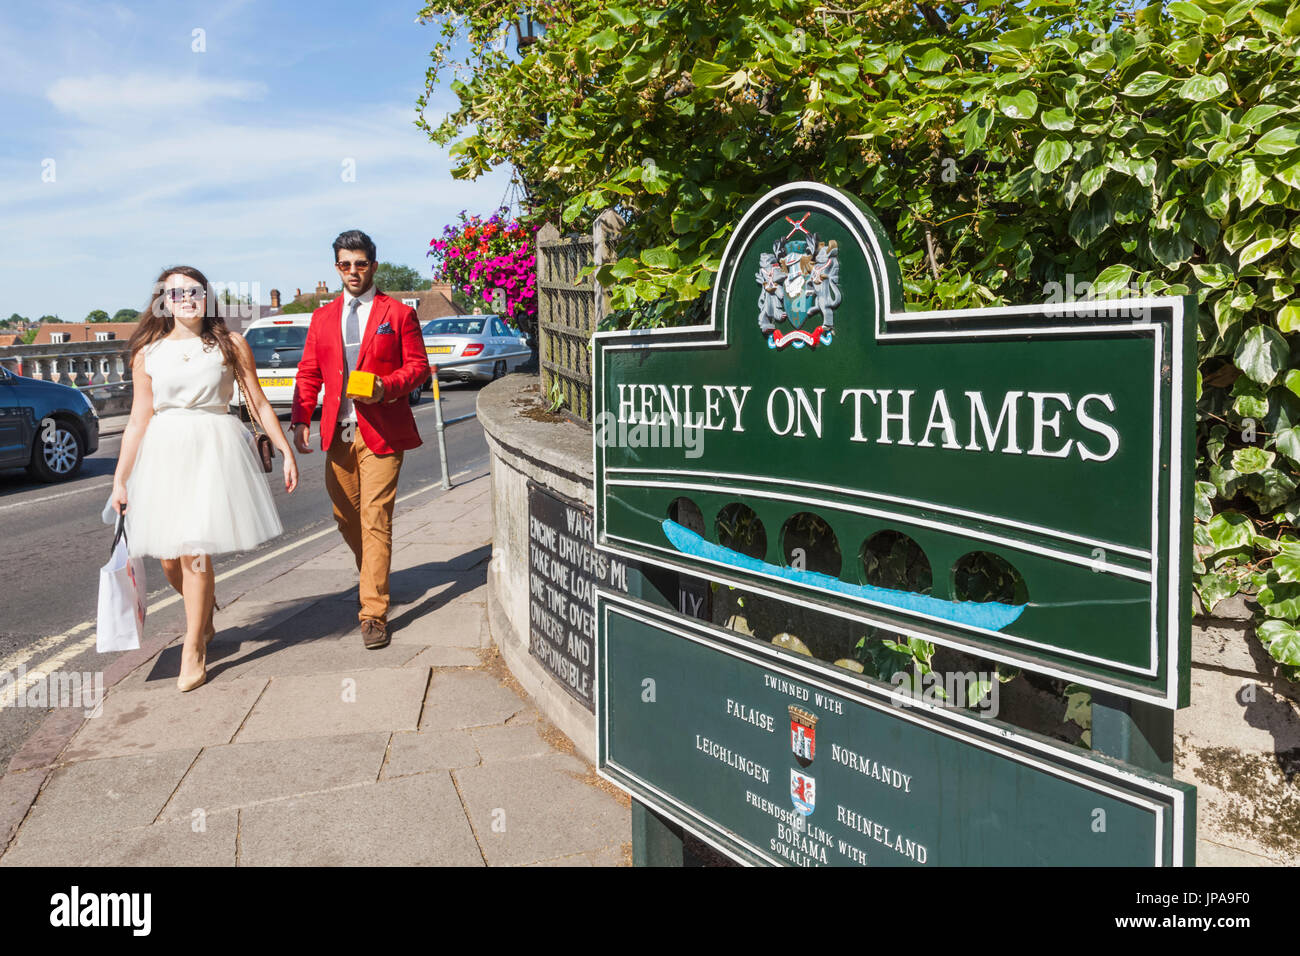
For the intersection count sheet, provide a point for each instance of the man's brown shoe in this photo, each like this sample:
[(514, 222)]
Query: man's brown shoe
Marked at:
[(374, 634)]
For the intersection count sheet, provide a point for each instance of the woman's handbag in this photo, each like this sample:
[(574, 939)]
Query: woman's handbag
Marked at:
[(265, 450), (120, 617)]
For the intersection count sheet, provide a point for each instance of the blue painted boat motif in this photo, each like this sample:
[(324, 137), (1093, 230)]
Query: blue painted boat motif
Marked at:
[(989, 615)]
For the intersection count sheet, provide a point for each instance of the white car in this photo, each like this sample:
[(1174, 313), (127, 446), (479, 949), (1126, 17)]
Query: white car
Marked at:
[(277, 346)]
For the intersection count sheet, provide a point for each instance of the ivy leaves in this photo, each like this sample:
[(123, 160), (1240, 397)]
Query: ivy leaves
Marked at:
[(1156, 150), (1262, 354)]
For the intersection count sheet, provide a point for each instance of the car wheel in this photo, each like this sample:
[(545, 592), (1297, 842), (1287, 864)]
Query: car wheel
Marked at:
[(61, 457), (415, 396), (498, 370)]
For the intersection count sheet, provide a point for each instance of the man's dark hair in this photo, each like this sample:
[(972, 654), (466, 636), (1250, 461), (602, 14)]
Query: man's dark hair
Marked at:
[(354, 240)]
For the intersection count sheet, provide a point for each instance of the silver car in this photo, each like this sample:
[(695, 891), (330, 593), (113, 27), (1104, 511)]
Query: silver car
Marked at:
[(457, 337)]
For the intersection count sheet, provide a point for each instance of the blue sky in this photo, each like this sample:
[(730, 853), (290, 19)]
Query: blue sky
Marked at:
[(231, 159)]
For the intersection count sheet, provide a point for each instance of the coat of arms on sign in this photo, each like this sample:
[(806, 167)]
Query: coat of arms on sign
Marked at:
[(798, 279), (803, 735)]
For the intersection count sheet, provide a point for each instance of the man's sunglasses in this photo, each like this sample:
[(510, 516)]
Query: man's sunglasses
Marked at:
[(193, 292), (360, 265)]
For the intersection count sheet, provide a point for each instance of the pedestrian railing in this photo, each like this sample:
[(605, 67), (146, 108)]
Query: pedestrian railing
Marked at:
[(100, 370)]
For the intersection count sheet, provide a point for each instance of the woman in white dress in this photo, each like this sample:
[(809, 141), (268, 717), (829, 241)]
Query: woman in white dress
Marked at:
[(187, 474)]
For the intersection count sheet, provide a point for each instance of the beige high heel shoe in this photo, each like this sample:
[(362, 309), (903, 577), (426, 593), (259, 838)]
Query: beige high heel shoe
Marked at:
[(187, 687)]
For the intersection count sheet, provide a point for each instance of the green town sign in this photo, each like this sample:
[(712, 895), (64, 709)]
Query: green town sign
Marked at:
[(773, 760), (1045, 445)]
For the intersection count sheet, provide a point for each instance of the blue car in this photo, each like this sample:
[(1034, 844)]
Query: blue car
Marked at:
[(47, 428)]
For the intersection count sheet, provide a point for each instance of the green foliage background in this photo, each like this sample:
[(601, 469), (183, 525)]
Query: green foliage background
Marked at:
[(1004, 147), (390, 276)]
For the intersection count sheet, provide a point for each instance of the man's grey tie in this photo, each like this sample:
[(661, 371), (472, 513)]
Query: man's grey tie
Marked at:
[(352, 334), (351, 351)]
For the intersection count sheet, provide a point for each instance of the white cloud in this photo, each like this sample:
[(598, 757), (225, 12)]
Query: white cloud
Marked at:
[(106, 99), (256, 201)]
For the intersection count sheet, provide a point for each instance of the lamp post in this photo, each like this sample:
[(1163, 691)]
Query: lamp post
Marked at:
[(528, 29)]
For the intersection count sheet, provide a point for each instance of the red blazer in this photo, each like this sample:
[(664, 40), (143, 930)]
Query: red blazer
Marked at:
[(397, 358)]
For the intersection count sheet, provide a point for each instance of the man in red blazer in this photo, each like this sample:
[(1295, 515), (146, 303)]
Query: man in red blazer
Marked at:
[(364, 437)]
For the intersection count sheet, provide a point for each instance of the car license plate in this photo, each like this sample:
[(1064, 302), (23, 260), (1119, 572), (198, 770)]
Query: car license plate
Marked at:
[(274, 382), (437, 349)]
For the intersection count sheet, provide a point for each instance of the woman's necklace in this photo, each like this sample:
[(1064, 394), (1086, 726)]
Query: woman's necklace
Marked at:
[(189, 353)]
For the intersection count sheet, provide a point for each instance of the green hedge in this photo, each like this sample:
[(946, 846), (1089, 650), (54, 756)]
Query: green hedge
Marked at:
[(1005, 148)]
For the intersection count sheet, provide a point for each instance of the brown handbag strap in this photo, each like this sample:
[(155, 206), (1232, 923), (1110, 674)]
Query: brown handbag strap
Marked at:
[(252, 416)]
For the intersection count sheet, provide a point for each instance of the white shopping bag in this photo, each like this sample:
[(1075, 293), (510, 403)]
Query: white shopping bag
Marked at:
[(121, 598)]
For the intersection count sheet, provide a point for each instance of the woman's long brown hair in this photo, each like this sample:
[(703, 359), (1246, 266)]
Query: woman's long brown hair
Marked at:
[(157, 322)]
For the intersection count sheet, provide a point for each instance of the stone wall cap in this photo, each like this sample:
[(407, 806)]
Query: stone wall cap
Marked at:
[(513, 414)]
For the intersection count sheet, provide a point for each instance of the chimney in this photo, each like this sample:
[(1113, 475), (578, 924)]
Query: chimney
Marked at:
[(275, 298), (297, 293), (322, 288)]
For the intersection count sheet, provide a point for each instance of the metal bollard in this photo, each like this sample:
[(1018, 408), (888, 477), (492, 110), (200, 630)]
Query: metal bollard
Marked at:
[(442, 423), (442, 430)]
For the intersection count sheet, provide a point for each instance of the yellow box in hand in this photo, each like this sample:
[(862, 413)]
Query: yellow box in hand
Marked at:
[(361, 385)]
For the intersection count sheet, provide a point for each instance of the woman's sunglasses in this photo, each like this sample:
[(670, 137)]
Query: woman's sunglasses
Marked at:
[(193, 292)]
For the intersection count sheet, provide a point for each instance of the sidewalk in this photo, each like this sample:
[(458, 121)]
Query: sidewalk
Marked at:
[(304, 748)]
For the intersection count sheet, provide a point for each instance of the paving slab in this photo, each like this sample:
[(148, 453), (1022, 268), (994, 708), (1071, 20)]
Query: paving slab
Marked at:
[(307, 584), (540, 808), (145, 721), (511, 741), (206, 841), (466, 593), (415, 586), (434, 557), (320, 620), (463, 497), (348, 702), (451, 628), (463, 530), (338, 558), (96, 796), (462, 599), (609, 856), (458, 699), (433, 750), (239, 775), (227, 661), (409, 524), (17, 793), (330, 656), (445, 657), (410, 821), (248, 617)]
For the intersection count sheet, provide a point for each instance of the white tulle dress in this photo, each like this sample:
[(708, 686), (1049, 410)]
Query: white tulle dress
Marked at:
[(197, 486)]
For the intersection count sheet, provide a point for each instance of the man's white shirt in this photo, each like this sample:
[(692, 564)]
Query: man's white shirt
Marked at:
[(347, 410)]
